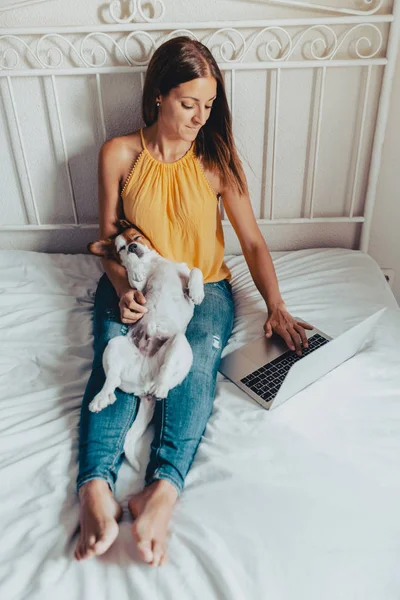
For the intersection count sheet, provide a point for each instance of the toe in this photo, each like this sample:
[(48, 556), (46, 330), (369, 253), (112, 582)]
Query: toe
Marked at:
[(89, 553), (145, 551), (79, 549), (100, 544), (164, 559), (158, 552)]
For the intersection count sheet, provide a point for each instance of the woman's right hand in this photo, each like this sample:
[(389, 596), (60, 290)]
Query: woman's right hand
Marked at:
[(130, 306)]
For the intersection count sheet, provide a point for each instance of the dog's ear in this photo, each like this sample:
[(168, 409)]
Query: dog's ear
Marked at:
[(104, 248), (124, 224)]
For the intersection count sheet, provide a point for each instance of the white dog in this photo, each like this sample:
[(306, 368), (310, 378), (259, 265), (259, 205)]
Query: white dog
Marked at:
[(155, 355)]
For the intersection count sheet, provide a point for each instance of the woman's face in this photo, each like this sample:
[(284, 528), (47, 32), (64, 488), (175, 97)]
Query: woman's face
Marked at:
[(187, 107)]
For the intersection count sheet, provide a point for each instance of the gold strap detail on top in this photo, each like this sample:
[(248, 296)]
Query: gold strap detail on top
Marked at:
[(133, 167), (186, 155), (142, 138), (206, 179), (131, 172)]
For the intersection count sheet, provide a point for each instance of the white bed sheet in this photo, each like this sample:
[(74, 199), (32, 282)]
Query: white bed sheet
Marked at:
[(299, 502)]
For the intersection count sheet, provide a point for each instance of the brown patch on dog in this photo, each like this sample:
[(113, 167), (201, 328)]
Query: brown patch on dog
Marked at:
[(133, 234), (106, 248), (103, 248)]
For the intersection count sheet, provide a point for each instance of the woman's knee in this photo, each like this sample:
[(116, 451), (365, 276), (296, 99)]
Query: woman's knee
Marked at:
[(210, 333), (207, 347)]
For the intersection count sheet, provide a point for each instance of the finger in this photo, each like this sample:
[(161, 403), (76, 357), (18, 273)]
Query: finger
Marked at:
[(268, 329), (303, 336), (305, 325), (139, 297), (297, 340), (291, 338), (137, 307), (286, 337), (131, 319)]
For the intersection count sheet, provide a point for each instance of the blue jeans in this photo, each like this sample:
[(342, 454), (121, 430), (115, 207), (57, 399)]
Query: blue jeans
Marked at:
[(180, 419)]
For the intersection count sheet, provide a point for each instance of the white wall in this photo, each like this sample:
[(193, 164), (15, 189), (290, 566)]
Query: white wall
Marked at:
[(385, 235), (384, 247)]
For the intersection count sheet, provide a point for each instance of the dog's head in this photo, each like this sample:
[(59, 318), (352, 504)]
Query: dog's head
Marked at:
[(128, 245)]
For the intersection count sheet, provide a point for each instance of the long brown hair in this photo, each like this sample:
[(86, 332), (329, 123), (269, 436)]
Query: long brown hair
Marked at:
[(182, 59)]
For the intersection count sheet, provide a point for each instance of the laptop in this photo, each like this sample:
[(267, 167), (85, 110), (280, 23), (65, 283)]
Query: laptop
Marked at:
[(271, 374)]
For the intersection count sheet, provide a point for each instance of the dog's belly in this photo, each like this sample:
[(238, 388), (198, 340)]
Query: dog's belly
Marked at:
[(136, 383), (164, 320), (135, 369)]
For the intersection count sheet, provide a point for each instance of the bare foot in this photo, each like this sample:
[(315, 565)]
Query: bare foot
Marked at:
[(99, 516), (152, 510)]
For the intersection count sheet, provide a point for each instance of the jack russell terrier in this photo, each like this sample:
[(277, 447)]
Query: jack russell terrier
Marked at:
[(155, 355)]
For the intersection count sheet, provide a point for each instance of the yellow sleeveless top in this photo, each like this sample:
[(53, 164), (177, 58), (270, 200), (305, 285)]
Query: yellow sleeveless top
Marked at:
[(176, 208)]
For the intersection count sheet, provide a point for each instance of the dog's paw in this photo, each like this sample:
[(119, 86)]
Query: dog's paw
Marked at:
[(137, 273), (196, 292), (101, 401), (196, 286), (158, 390)]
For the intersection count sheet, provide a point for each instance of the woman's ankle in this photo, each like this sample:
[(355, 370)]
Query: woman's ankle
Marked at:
[(97, 486), (163, 487)]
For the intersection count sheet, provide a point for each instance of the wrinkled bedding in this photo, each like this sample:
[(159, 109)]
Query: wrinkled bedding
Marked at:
[(299, 502)]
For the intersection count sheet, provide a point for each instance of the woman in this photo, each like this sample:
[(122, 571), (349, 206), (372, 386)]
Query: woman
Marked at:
[(169, 177)]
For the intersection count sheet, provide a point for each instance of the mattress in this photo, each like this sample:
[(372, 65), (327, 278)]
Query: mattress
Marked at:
[(298, 502)]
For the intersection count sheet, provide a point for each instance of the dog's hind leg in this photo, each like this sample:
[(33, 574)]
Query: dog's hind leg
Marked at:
[(113, 362), (106, 396), (173, 362)]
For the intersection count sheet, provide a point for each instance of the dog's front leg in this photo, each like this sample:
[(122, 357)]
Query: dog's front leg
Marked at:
[(196, 286), (137, 275)]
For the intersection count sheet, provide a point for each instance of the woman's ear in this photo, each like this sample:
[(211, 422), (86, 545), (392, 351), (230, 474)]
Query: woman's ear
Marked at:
[(104, 248)]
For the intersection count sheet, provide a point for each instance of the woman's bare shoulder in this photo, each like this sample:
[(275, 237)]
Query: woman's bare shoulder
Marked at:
[(120, 153), (123, 147)]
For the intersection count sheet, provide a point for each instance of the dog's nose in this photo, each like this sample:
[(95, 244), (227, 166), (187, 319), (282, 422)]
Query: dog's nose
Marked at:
[(132, 247)]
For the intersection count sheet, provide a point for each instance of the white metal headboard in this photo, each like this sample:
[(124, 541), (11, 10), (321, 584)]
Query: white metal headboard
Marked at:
[(360, 38)]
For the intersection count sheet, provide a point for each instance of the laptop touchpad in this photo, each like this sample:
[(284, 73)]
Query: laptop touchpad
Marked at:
[(264, 350)]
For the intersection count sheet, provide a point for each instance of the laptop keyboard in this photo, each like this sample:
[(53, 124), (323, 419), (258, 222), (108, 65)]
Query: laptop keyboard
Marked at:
[(267, 380)]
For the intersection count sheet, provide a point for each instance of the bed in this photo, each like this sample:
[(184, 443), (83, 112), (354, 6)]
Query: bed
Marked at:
[(297, 502)]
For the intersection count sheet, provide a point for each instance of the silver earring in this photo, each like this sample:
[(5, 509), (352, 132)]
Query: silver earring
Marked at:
[(157, 104)]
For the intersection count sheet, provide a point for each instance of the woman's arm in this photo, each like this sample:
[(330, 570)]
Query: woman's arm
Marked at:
[(255, 250), (109, 166), (112, 157)]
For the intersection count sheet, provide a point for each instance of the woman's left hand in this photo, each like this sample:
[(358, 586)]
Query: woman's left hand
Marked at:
[(292, 331)]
